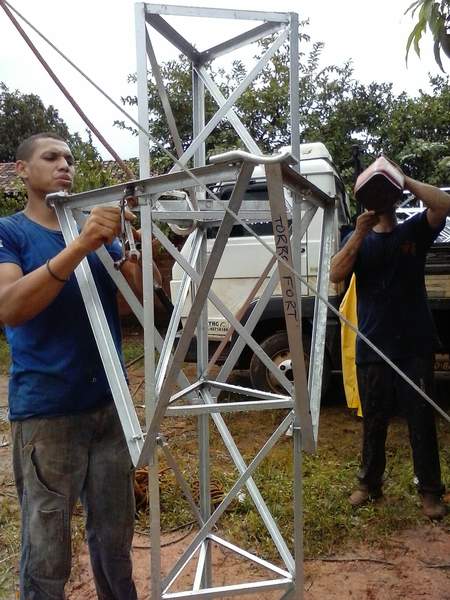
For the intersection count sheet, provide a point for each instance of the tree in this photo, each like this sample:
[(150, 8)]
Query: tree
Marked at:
[(435, 16), (22, 115), (334, 108), (416, 132)]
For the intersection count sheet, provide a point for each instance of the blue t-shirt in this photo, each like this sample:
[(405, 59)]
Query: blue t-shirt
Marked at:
[(393, 311), (56, 367)]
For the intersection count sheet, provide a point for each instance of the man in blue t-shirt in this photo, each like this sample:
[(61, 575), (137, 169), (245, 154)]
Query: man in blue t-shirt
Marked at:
[(388, 260), (67, 439)]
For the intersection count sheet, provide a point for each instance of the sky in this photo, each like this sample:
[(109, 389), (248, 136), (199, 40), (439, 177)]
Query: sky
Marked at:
[(98, 36)]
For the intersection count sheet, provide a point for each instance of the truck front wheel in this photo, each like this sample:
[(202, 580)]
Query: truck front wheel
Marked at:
[(276, 347)]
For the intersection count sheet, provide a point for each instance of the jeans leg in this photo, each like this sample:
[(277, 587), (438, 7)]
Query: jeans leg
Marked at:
[(421, 424), (108, 497), (376, 393), (49, 469)]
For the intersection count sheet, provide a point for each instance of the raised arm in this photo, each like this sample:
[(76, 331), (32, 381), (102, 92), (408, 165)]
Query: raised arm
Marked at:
[(23, 297), (343, 262), (436, 201)]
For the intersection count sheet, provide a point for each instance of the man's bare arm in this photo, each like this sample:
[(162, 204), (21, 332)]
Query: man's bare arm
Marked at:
[(436, 200), (23, 297), (343, 261)]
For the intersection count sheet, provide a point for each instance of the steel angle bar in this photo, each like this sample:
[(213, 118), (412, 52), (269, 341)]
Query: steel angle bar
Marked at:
[(231, 100), (300, 185), (261, 304), (154, 185), (172, 35), (228, 407), (186, 391), (196, 308), (198, 117), (243, 39), (215, 13), (142, 89), (149, 317), (232, 117), (231, 494), (240, 329), (291, 301), (155, 523), (150, 397), (166, 351), (201, 567), (248, 555), (297, 484), (203, 576), (209, 217), (255, 494), (298, 536), (185, 488), (156, 71), (243, 390), (254, 587), (288, 594), (294, 84), (179, 208), (105, 343), (320, 318)]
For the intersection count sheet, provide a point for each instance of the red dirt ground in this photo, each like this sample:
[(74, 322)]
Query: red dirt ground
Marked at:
[(414, 565)]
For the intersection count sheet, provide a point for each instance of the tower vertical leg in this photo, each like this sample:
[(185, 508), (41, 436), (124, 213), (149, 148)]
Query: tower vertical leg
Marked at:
[(203, 578), (150, 400)]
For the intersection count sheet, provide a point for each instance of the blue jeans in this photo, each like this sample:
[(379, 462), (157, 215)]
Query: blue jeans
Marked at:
[(56, 461)]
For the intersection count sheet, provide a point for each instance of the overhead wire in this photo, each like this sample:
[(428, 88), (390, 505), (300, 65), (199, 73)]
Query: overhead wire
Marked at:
[(64, 90), (209, 192)]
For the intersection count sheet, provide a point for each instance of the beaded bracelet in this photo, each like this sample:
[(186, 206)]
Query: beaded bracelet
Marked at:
[(47, 264)]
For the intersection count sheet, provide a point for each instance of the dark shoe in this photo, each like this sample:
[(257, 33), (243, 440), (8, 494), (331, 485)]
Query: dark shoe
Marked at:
[(433, 507), (362, 495)]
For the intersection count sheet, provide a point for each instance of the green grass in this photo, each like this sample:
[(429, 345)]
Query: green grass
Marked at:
[(4, 355), (132, 348), (9, 543), (331, 525)]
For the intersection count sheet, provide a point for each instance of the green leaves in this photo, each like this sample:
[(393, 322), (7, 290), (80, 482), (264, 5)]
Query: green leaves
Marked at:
[(22, 115), (335, 108), (434, 15)]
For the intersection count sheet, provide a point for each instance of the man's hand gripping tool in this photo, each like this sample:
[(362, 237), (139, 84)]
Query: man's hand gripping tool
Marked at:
[(126, 230)]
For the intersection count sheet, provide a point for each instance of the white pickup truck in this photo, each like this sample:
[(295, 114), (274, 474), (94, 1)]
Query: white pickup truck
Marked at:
[(245, 258)]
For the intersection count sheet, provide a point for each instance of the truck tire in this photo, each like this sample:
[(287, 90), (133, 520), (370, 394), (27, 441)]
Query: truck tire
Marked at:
[(276, 346)]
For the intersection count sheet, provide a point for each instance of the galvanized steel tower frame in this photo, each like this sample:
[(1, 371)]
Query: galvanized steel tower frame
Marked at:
[(168, 392)]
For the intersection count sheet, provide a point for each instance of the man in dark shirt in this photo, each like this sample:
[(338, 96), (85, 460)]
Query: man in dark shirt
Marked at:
[(388, 260)]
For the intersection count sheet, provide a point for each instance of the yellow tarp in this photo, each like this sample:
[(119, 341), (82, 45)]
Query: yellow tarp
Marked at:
[(348, 347)]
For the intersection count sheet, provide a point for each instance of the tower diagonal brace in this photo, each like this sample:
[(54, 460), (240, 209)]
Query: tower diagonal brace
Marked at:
[(103, 337)]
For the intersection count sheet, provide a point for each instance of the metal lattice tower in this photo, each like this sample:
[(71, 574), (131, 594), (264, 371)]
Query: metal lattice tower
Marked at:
[(168, 392)]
